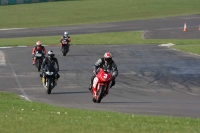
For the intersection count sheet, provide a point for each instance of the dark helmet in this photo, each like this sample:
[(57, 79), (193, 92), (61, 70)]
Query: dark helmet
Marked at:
[(107, 57), (51, 54)]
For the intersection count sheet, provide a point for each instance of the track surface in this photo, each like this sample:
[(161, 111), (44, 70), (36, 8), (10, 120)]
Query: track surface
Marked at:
[(152, 80)]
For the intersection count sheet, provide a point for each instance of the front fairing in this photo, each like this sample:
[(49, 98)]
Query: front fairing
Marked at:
[(49, 70), (104, 76), (102, 79), (65, 41)]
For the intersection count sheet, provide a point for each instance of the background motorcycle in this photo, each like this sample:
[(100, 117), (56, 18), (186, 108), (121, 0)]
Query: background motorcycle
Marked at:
[(101, 84), (48, 78), (65, 47), (39, 58)]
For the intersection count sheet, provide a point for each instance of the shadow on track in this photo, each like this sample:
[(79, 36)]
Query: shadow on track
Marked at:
[(70, 92), (124, 102)]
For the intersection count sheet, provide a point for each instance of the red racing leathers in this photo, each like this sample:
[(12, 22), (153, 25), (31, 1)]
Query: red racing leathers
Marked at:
[(36, 48)]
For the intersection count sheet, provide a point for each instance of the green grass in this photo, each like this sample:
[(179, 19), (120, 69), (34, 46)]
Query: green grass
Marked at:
[(20, 116), (129, 37), (191, 48), (121, 38), (91, 11)]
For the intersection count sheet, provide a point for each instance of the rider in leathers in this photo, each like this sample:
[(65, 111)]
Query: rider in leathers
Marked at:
[(105, 62), (38, 47), (50, 59), (65, 37)]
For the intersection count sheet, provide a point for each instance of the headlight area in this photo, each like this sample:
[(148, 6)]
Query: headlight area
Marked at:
[(49, 73)]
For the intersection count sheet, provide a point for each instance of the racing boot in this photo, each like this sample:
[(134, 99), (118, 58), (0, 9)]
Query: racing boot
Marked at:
[(90, 87), (34, 61), (55, 81), (61, 47), (112, 84), (91, 83)]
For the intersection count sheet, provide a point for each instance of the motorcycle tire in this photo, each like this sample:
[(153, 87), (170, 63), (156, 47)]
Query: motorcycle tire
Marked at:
[(100, 94), (48, 86), (94, 100), (64, 52), (39, 66)]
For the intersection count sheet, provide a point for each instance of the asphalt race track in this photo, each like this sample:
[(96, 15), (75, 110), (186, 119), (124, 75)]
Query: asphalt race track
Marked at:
[(152, 79)]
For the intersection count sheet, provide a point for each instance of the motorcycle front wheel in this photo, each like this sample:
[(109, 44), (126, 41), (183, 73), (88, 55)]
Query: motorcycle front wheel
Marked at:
[(65, 51), (38, 65), (48, 85), (100, 94)]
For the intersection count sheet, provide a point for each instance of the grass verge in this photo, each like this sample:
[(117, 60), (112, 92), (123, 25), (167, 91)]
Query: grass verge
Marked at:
[(130, 37), (121, 38), (91, 11), (17, 115), (191, 48)]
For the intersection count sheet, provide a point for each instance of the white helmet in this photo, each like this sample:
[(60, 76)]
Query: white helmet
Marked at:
[(66, 33), (51, 54), (108, 57), (38, 43)]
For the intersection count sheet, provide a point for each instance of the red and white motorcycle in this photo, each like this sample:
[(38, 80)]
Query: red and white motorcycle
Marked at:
[(101, 85)]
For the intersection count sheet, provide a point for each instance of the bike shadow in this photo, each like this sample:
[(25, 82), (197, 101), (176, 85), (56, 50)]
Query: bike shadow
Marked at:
[(63, 70), (124, 102), (76, 92), (81, 55)]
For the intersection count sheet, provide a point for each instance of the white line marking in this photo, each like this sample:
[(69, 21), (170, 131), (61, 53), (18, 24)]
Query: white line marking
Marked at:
[(167, 45), (2, 59), (18, 83), (21, 46), (144, 34), (13, 29), (5, 47), (25, 98)]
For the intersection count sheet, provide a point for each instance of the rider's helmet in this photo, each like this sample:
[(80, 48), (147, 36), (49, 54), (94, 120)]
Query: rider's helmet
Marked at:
[(38, 44), (51, 54), (66, 34), (107, 57)]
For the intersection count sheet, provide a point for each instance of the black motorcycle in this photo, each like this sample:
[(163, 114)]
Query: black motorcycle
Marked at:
[(65, 47), (39, 58), (49, 79)]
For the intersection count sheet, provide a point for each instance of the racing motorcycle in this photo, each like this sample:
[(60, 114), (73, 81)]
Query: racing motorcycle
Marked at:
[(39, 58), (48, 78), (101, 84), (65, 47)]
